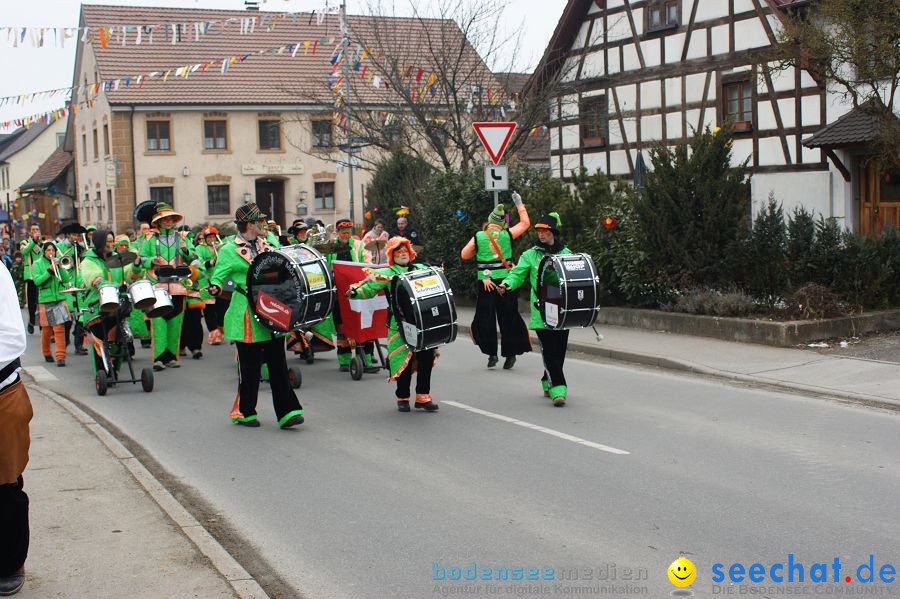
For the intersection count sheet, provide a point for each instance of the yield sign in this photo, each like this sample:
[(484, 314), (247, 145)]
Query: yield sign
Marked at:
[(494, 137)]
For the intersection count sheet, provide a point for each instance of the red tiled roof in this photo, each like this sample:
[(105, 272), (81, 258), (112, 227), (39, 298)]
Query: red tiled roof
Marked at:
[(48, 172), (266, 79)]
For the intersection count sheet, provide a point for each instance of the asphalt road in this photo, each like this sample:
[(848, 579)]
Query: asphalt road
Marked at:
[(641, 466)]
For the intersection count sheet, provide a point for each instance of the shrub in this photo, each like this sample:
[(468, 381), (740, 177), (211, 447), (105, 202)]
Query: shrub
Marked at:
[(814, 301), (711, 302), (693, 210), (767, 254), (890, 241), (863, 276), (801, 239)]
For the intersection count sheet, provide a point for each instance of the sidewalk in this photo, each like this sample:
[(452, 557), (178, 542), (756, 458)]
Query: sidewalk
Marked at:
[(97, 527), (869, 381)]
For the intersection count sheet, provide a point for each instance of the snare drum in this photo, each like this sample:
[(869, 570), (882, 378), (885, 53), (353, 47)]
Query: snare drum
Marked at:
[(290, 287), (109, 297), (141, 294), (422, 303), (163, 304), (567, 291)]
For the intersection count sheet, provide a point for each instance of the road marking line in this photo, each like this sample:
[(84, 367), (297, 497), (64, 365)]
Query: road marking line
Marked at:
[(538, 428), (40, 374)]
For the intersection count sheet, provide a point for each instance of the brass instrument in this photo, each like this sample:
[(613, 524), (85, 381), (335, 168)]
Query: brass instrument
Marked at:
[(67, 262), (319, 236)]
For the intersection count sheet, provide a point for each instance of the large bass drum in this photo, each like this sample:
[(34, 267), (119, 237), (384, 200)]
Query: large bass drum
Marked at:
[(568, 291), (290, 287), (422, 303)]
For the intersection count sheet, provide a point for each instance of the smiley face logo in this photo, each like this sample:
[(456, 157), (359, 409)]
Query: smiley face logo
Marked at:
[(682, 572)]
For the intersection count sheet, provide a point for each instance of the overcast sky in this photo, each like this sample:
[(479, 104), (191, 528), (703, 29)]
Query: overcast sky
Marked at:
[(26, 69)]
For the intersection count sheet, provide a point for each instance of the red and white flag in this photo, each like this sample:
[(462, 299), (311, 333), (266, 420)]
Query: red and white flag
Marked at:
[(363, 319)]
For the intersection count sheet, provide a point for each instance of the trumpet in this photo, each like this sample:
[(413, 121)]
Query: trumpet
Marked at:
[(319, 235), (67, 263)]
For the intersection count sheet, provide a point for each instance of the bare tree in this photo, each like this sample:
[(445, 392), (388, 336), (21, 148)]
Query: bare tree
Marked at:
[(853, 45), (416, 84)]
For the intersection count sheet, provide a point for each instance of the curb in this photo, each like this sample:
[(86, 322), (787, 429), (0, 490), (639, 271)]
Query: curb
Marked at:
[(685, 366), (243, 584)]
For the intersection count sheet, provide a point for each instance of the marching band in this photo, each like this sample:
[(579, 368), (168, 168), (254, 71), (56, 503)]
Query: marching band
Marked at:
[(158, 287)]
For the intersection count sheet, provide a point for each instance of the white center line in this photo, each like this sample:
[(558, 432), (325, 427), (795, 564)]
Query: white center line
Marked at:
[(540, 429), (39, 374)]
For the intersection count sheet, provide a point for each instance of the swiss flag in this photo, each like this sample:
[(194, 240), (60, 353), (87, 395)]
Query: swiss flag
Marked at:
[(363, 319)]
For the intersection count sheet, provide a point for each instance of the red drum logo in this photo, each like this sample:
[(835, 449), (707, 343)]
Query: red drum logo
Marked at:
[(272, 309)]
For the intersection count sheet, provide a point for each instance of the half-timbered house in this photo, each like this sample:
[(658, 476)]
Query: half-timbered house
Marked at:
[(642, 72)]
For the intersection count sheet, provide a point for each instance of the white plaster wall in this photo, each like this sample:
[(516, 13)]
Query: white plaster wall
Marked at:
[(694, 87), (673, 125), (693, 120), (595, 161), (788, 114), (627, 95), (742, 6), (629, 126), (593, 65), (748, 34), (581, 37), (570, 68), (618, 28), (782, 80), (810, 110), (638, 18), (614, 3), (697, 47), (792, 147), (720, 39), (709, 119), (843, 193), (810, 155), (571, 164), (554, 138), (596, 32), (650, 49), (613, 65), (706, 9), (651, 128), (593, 9), (765, 116), (615, 132), (569, 107), (673, 91), (770, 152), (674, 47), (651, 94), (630, 60), (570, 137), (741, 149), (618, 163), (812, 190)]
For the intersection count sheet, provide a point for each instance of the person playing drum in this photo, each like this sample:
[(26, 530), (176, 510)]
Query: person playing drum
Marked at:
[(553, 343), (401, 359), (136, 321), (94, 272), (255, 343), (166, 248), (53, 312), (492, 249)]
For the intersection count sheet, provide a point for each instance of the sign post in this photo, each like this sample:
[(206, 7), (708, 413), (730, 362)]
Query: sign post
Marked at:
[(495, 137)]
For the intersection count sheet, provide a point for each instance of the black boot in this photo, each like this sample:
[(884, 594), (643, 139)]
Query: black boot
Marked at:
[(492, 361), (509, 362)]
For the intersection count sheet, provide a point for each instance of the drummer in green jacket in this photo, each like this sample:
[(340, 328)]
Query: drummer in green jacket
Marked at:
[(401, 359), (553, 342), (255, 344), (136, 319), (167, 248)]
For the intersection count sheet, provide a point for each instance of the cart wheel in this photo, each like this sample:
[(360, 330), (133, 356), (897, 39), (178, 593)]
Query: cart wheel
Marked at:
[(147, 380), (310, 355), (295, 378), (356, 368), (100, 382)]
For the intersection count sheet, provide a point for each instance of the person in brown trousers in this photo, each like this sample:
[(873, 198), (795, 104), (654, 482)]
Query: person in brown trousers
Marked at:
[(15, 414)]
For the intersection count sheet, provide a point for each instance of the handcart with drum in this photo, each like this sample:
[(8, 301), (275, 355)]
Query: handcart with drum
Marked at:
[(362, 320)]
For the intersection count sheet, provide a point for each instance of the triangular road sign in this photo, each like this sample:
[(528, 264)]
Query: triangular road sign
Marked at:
[(494, 137)]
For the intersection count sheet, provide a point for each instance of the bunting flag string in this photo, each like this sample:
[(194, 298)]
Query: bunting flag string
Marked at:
[(170, 32)]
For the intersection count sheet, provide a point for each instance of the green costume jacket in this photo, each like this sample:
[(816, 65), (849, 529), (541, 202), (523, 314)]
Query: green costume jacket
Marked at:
[(399, 354), (233, 263), (528, 267), (49, 286), (93, 273), (31, 251), (169, 245), (207, 267)]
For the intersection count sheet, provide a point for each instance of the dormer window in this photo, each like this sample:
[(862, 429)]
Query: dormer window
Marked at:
[(662, 14)]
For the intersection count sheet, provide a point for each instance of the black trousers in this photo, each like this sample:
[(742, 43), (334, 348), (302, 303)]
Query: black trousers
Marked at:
[(424, 362), (214, 314), (192, 329), (250, 359), (14, 533), (553, 349), (492, 309), (31, 294), (77, 334)]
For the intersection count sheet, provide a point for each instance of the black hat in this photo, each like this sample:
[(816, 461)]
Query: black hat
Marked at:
[(549, 222), (249, 213)]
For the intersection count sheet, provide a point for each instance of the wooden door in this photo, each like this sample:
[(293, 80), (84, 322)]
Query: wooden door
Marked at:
[(879, 199)]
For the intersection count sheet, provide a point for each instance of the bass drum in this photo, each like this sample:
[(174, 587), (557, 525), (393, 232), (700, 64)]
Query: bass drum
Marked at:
[(422, 303), (290, 287), (568, 291)]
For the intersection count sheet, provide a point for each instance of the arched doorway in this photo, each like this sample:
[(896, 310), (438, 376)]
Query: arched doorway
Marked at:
[(270, 198)]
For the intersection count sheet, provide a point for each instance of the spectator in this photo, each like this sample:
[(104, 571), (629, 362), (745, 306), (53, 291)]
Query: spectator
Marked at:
[(15, 414), (375, 252), (404, 230)]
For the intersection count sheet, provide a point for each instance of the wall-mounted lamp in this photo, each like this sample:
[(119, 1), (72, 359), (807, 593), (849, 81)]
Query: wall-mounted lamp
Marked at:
[(185, 172), (303, 196), (247, 198)]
